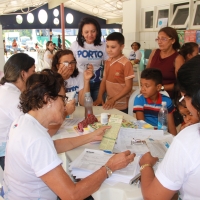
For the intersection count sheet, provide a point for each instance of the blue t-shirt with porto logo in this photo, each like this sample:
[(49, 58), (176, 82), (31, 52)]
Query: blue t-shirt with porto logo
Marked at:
[(90, 54)]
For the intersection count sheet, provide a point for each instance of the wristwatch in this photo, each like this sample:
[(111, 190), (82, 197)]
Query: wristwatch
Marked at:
[(108, 171), (145, 165), (162, 88)]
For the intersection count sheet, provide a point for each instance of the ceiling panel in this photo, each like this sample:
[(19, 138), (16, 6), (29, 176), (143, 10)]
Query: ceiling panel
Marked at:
[(106, 9)]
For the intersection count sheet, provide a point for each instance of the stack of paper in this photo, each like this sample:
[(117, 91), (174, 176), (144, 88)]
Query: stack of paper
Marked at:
[(91, 160)]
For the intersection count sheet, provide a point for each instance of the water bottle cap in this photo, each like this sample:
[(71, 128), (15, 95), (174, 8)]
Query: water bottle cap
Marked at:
[(87, 94), (164, 103)]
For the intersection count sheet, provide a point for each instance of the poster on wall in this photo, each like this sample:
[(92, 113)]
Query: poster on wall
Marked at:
[(190, 36), (198, 39), (162, 22), (181, 35)]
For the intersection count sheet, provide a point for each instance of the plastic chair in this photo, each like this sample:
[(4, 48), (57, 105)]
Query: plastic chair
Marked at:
[(132, 98)]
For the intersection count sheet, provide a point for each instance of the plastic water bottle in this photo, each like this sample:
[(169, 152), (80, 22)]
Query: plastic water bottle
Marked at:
[(88, 103), (76, 97), (162, 117)]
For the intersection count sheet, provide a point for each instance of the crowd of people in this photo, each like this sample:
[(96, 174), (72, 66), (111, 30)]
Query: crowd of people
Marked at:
[(34, 105)]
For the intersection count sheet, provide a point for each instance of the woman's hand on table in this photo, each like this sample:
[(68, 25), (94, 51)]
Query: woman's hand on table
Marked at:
[(147, 158), (65, 72), (89, 72), (109, 104), (98, 134), (70, 107), (121, 160)]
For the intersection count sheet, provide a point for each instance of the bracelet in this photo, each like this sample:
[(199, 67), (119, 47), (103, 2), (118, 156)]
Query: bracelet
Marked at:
[(145, 165)]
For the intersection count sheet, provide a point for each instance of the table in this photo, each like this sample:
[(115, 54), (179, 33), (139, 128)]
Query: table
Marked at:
[(120, 191)]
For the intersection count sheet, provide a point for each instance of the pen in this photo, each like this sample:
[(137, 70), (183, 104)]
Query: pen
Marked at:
[(106, 151), (134, 178)]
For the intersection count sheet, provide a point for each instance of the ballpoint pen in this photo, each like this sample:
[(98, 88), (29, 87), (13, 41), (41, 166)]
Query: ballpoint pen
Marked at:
[(134, 178)]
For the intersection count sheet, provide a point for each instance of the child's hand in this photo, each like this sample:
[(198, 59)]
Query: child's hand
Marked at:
[(65, 72), (99, 101), (88, 73), (186, 125), (109, 104)]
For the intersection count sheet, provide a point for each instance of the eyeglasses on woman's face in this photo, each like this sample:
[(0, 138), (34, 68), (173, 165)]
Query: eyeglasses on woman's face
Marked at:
[(67, 64), (64, 98), (163, 39)]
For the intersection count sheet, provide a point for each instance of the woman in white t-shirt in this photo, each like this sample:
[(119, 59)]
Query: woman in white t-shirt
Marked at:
[(32, 167), (180, 168), (16, 71), (88, 49), (65, 64), (135, 55), (48, 55)]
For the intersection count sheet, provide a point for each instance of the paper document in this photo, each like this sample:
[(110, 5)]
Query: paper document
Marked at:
[(91, 160), (111, 134), (127, 135), (158, 148)]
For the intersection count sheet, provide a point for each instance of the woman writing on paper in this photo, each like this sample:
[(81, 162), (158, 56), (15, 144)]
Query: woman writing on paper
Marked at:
[(32, 167)]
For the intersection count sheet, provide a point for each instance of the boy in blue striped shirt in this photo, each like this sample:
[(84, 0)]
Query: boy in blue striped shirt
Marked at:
[(148, 103)]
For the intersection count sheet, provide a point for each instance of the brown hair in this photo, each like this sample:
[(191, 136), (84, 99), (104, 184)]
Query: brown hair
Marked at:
[(57, 57), (171, 32)]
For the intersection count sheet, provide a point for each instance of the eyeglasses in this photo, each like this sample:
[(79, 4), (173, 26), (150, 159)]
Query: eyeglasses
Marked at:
[(64, 98), (66, 64), (182, 101), (162, 39)]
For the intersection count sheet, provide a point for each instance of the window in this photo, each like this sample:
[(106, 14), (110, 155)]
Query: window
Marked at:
[(30, 18), (42, 16), (69, 18), (180, 17), (55, 12), (196, 16), (162, 18), (19, 19), (149, 19), (56, 21)]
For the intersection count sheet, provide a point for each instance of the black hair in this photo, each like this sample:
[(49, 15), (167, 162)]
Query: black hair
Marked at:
[(138, 44), (89, 20), (171, 32), (152, 74), (188, 78), (116, 36), (39, 85), (57, 57), (188, 48), (15, 65)]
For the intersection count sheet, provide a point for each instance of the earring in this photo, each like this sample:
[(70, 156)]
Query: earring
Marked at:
[(49, 105), (82, 38)]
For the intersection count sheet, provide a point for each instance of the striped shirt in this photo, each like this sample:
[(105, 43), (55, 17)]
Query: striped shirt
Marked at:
[(151, 109)]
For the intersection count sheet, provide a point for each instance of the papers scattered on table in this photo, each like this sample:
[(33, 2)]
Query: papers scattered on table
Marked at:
[(91, 160), (111, 134), (150, 140)]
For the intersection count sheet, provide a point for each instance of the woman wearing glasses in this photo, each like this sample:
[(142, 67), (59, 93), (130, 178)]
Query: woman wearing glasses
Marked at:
[(65, 64), (180, 168), (166, 58), (32, 167)]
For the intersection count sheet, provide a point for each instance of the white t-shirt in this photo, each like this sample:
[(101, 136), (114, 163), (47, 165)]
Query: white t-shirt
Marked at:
[(180, 168), (9, 111), (47, 59), (135, 55), (30, 153), (90, 54), (75, 83)]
